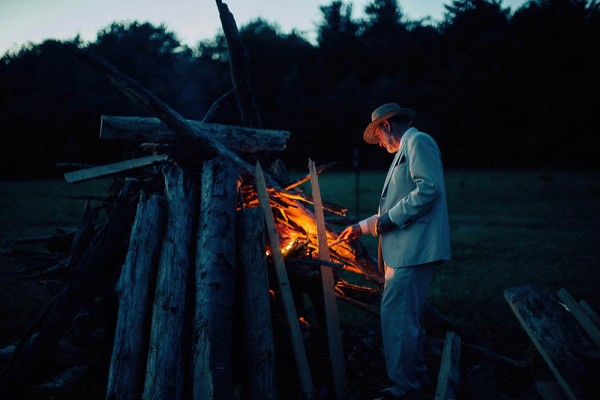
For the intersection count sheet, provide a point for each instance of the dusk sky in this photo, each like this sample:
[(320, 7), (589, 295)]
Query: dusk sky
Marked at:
[(23, 21)]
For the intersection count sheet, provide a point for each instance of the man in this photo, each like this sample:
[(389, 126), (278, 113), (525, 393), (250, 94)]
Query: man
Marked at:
[(412, 225)]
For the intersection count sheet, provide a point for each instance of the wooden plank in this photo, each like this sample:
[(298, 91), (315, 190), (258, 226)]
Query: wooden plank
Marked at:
[(548, 388), (336, 350), (449, 375), (114, 168), (215, 271), (590, 312), (236, 138), (584, 320), (166, 352), (260, 348), (554, 332), (135, 289), (284, 286)]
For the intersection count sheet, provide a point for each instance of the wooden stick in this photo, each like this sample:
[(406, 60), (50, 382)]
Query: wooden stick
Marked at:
[(284, 286), (334, 336), (114, 168)]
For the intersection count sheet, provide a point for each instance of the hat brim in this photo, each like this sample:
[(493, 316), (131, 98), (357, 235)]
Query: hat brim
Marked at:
[(369, 134)]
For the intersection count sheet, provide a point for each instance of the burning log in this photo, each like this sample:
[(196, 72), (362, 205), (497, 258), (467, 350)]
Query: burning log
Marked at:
[(164, 370), (215, 277), (136, 288)]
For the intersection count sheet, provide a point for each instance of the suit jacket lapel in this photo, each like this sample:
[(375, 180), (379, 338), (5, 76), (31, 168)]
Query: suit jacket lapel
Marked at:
[(397, 158)]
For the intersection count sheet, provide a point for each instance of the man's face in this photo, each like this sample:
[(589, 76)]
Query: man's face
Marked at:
[(386, 137)]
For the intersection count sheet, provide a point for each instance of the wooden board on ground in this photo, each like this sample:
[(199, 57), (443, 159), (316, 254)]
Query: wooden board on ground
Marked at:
[(584, 320), (555, 333), (449, 375)]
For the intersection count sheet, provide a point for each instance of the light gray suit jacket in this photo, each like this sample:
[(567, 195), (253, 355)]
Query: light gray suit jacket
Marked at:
[(414, 195)]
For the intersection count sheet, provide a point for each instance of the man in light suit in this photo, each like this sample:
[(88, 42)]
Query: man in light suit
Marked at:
[(412, 225)]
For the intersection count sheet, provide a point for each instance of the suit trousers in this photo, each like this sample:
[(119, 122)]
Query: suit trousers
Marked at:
[(402, 308)]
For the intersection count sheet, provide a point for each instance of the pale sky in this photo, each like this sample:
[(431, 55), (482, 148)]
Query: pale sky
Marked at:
[(23, 21)]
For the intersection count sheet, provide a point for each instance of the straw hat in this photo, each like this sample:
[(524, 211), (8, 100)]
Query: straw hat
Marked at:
[(381, 114)]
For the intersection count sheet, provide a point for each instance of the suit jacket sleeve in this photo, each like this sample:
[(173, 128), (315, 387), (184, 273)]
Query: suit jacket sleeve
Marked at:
[(424, 163)]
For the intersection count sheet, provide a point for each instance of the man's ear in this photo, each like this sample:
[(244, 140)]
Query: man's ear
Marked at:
[(387, 126)]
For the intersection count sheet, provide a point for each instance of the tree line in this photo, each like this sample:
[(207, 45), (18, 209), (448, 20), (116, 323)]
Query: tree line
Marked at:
[(497, 89)]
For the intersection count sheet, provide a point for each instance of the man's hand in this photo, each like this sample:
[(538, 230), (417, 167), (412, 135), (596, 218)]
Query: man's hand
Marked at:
[(352, 232)]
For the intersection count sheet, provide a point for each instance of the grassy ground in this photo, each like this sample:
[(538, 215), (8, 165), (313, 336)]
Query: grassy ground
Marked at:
[(32, 209), (507, 228)]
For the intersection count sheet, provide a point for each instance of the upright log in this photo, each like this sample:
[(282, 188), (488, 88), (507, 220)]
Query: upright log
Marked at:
[(215, 268), (164, 371), (260, 349), (336, 350), (136, 289)]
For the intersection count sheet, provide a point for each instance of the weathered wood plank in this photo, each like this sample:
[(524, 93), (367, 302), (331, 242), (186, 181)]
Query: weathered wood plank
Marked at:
[(449, 375), (284, 287), (590, 312), (165, 366), (215, 277), (136, 289), (336, 350), (114, 168), (260, 348), (236, 138), (548, 388), (554, 332), (586, 322)]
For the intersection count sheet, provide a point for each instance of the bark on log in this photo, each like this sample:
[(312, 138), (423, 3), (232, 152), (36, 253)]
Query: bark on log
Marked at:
[(236, 138), (260, 348), (165, 367), (136, 289), (90, 279), (215, 278), (555, 333)]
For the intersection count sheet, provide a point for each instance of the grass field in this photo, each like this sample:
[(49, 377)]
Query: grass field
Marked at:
[(507, 228)]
